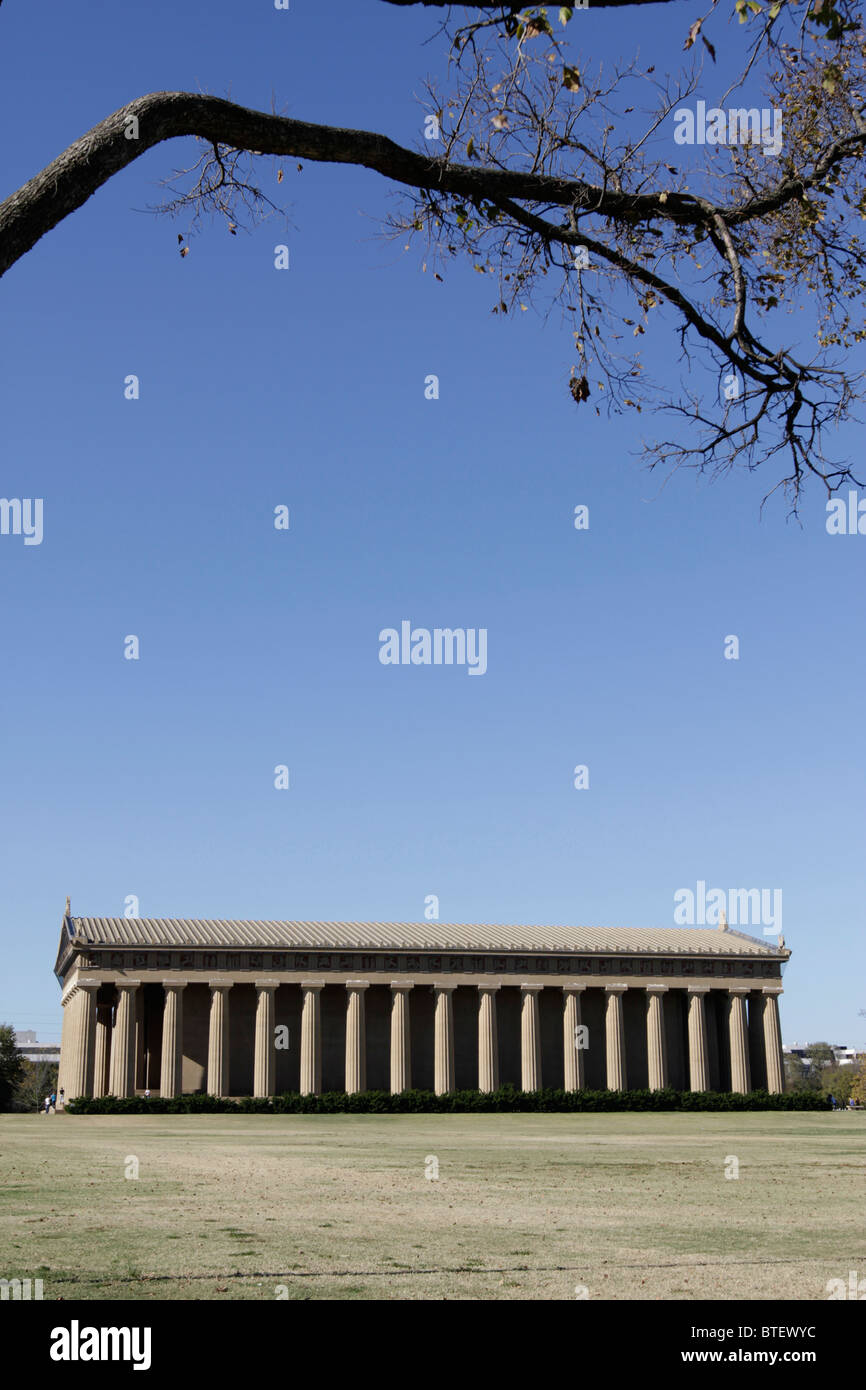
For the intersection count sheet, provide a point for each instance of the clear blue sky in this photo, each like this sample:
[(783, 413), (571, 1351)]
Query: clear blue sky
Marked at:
[(155, 777)]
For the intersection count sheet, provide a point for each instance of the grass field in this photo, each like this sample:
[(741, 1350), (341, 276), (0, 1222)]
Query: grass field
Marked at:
[(525, 1206)]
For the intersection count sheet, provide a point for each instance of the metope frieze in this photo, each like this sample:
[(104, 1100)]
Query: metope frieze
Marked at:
[(361, 963)]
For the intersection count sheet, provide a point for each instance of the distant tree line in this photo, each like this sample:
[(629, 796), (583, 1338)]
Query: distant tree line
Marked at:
[(818, 1070)]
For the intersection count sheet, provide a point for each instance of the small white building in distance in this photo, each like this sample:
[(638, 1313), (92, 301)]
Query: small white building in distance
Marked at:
[(35, 1051)]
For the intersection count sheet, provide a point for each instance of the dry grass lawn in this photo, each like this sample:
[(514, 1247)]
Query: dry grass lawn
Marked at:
[(525, 1206)]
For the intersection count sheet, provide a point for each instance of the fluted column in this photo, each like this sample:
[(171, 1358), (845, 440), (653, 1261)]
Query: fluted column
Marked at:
[(739, 1041), (757, 1063), (443, 1040), (218, 1040), (65, 1042), (773, 1043), (615, 1037), (123, 1041), (80, 1074), (171, 1069), (102, 1049), (311, 1037), (488, 1041), (138, 1071), (356, 1037), (401, 1047), (71, 1039), (572, 1049), (656, 1049), (699, 1072), (530, 1038), (264, 1067)]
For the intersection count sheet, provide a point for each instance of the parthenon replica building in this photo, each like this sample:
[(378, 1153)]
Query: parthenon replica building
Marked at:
[(236, 1008)]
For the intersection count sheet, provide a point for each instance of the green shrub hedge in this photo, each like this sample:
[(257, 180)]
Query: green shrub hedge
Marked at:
[(454, 1102)]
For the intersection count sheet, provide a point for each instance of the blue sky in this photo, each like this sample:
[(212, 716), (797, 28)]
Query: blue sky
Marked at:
[(306, 388)]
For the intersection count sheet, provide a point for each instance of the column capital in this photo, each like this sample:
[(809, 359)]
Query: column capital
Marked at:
[(174, 984), (402, 984), (616, 989), (266, 984), (127, 984), (357, 984), (312, 984), (698, 989), (741, 989), (488, 989), (219, 984), (438, 988), (573, 988), (657, 989), (772, 990), (71, 990), (531, 989)]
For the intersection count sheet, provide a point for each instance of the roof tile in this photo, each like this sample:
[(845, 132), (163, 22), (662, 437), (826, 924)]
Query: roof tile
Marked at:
[(411, 936)]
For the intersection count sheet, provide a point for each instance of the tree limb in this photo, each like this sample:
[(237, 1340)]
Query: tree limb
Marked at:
[(68, 181), (514, 9)]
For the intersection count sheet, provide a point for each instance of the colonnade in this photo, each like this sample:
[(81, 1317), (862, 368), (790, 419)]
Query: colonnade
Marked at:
[(99, 1040)]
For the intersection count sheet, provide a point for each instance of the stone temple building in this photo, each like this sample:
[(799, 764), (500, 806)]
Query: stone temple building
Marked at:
[(237, 1008)]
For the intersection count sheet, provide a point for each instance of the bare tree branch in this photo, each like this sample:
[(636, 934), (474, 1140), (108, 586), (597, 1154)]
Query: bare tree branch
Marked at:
[(553, 165), (68, 181), (515, 9)]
